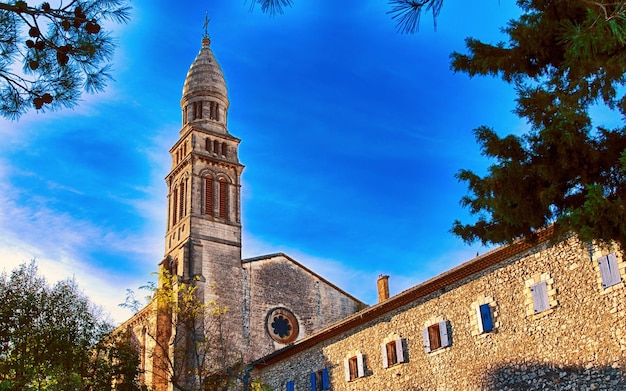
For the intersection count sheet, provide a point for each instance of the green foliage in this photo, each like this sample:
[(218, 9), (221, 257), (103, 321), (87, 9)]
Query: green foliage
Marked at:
[(49, 55), (202, 354), (259, 386), (563, 57), (53, 338)]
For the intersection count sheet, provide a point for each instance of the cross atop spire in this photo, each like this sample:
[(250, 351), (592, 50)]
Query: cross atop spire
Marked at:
[(205, 26)]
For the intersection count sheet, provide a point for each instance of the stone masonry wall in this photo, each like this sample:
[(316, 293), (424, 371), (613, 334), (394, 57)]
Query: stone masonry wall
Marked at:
[(579, 343), (278, 282)]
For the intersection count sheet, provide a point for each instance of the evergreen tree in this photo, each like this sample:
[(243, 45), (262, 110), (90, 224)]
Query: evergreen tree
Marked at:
[(563, 57), (50, 54)]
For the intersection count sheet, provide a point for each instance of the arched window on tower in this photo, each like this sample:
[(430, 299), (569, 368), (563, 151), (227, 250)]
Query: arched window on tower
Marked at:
[(181, 206), (223, 185), (208, 144), (174, 206), (224, 149), (208, 195), (216, 146), (185, 118)]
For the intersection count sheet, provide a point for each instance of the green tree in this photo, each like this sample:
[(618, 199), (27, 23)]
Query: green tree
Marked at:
[(563, 57), (49, 54), (53, 338), (191, 345)]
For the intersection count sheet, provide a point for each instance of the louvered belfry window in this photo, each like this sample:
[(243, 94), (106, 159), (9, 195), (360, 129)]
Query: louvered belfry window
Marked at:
[(223, 199), (208, 195), (174, 205), (181, 206)]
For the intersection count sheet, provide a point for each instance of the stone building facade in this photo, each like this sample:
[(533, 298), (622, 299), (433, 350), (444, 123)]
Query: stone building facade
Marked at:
[(525, 316), (270, 300), (542, 316)]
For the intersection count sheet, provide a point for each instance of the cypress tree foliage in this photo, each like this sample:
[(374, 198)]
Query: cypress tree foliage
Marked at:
[(50, 54), (563, 57)]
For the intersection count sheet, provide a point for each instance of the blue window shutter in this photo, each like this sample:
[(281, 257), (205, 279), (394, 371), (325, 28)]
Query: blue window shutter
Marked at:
[(290, 386), (486, 318), (399, 350), (383, 352), (426, 340), (325, 382), (443, 333), (313, 383), (539, 293)]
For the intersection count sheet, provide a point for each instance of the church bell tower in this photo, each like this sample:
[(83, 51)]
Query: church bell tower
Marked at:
[(203, 240)]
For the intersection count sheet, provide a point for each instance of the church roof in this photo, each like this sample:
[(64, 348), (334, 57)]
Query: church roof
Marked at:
[(205, 76)]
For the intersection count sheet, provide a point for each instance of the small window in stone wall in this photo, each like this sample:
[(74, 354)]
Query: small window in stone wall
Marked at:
[(609, 270), (436, 336), (392, 351), (319, 380), (354, 367), (483, 315), (540, 295), (290, 386)]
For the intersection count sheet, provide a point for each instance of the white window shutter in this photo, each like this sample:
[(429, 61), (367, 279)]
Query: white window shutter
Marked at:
[(479, 318), (539, 293), (346, 366), (605, 271), (360, 365), (612, 262), (399, 350), (426, 340), (383, 352), (443, 333)]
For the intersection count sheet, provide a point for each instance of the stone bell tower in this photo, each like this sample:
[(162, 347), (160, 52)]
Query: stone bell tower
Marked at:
[(203, 240)]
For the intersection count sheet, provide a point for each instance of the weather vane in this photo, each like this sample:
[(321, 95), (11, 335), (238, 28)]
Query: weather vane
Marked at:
[(206, 25)]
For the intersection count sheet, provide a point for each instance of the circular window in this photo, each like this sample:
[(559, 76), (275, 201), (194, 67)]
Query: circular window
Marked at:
[(282, 325)]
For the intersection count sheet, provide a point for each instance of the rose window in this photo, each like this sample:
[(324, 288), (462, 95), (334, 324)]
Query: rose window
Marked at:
[(282, 325)]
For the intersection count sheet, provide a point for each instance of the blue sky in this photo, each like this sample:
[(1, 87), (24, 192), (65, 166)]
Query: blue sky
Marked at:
[(351, 136)]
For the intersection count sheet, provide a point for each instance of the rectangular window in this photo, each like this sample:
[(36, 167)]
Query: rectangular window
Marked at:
[(392, 353), (197, 110), (319, 380), (436, 336), (290, 386), (354, 367), (214, 111), (609, 271), (539, 293), (485, 318)]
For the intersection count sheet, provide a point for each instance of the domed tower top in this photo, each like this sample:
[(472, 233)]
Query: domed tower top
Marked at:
[(205, 96)]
